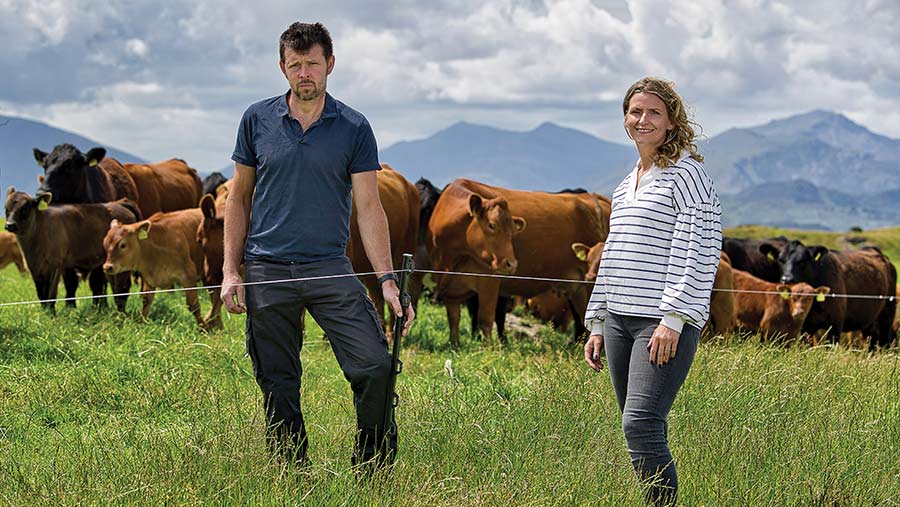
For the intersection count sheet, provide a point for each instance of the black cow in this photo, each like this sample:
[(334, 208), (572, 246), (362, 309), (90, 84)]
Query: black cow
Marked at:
[(212, 182), (752, 256), (865, 272), (74, 177)]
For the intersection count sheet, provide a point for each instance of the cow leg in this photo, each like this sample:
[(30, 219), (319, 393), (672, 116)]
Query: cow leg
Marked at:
[(147, 299), (42, 287), (70, 281), (20, 264), (578, 301), (488, 295), (884, 325), (121, 284), (97, 281), (53, 289), (193, 303), (453, 322), (213, 319), (472, 308), (503, 305)]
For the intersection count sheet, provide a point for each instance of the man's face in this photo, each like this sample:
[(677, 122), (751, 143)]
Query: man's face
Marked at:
[(307, 73)]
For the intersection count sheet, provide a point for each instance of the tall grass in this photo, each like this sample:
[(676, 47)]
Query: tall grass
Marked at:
[(99, 408)]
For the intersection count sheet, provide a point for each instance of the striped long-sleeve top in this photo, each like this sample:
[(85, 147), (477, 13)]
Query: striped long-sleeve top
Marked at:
[(663, 248)]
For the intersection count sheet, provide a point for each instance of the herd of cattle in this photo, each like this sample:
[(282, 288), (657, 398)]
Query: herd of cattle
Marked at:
[(96, 219)]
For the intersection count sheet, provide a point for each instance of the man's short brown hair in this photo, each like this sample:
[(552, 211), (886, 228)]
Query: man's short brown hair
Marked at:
[(301, 37)]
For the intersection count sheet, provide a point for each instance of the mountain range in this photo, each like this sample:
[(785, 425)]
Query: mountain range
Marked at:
[(817, 170)]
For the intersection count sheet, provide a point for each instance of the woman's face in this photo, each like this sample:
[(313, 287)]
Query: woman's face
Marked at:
[(647, 120)]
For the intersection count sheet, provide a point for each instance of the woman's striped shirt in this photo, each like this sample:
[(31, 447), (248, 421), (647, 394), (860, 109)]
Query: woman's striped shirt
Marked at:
[(663, 248)]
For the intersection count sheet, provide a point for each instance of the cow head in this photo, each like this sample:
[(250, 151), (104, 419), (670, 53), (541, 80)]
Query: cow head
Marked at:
[(798, 262), (66, 172), (123, 246), (490, 233), (799, 298), (22, 209), (211, 237), (590, 255)]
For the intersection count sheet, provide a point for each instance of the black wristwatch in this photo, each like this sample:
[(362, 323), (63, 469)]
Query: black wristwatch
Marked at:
[(384, 278)]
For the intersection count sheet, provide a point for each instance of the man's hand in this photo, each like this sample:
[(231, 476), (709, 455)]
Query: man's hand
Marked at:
[(592, 350), (233, 293), (663, 345), (391, 294)]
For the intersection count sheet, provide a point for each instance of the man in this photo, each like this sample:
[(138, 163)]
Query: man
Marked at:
[(287, 215)]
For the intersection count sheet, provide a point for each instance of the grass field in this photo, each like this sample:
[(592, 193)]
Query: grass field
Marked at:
[(98, 408)]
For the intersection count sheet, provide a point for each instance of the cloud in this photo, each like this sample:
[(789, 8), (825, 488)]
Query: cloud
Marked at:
[(414, 68)]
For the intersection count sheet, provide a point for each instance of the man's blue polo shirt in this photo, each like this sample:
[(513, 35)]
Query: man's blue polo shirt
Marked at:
[(301, 205)]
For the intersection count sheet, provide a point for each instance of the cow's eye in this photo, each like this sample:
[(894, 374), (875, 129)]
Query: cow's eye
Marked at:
[(492, 225), (122, 245)]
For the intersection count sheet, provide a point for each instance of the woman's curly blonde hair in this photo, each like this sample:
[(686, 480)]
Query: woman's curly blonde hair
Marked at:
[(680, 138)]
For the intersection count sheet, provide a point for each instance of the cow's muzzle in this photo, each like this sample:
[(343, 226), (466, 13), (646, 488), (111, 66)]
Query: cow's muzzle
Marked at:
[(12, 227)]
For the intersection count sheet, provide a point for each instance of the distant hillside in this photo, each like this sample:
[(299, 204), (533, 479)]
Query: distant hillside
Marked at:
[(800, 204), (822, 147), (550, 157), (19, 136)]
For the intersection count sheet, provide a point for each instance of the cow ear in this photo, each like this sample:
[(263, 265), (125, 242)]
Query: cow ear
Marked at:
[(581, 251), (113, 224), (769, 251), (95, 155), (143, 229), (476, 205), (40, 179), (208, 206), (39, 156), (44, 200), (818, 252), (518, 224), (783, 290), (11, 191), (821, 292)]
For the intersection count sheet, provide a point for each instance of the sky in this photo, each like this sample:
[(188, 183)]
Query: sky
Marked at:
[(171, 78)]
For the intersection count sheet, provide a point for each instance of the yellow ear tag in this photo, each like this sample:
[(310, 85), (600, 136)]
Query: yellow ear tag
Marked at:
[(142, 234), (820, 297), (785, 295), (92, 163), (42, 205)]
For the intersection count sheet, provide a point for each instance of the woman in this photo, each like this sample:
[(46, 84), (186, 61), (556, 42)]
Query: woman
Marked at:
[(651, 297)]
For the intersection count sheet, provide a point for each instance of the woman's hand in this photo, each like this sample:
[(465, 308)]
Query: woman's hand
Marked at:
[(663, 345), (592, 350)]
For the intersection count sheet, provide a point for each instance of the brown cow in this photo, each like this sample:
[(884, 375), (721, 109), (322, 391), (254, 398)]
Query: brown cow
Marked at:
[(66, 237), (555, 221), (721, 302), (10, 253), (165, 251), (400, 200), (170, 185), (471, 233), (222, 196), (551, 306), (780, 312)]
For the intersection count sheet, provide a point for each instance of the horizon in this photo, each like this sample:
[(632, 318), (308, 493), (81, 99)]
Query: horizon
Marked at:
[(704, 138)]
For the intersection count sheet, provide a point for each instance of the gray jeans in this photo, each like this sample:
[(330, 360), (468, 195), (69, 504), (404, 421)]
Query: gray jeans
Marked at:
[(275, 336), (645, 393)]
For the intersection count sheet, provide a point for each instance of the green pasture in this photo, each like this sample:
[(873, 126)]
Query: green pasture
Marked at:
[(99, 408)]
